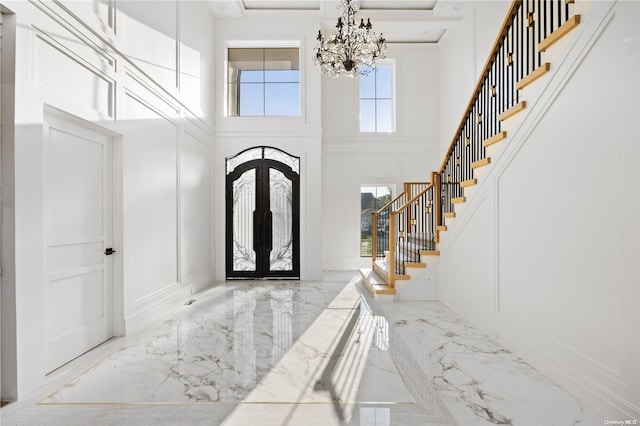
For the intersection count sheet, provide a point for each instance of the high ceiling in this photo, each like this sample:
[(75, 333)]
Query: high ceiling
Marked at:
[(401, 21)]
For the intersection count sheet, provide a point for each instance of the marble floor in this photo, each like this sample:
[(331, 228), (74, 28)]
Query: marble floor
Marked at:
[(301, 353)]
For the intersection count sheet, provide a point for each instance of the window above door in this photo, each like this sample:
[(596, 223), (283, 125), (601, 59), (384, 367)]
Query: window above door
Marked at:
[(263, 81)]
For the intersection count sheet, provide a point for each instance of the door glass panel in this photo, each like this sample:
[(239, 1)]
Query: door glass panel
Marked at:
[(243, 157), (282, 157), (281, 194), (244, 204)]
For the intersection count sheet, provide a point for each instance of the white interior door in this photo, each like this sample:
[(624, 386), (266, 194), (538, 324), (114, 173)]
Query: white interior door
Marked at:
[(78, 226)]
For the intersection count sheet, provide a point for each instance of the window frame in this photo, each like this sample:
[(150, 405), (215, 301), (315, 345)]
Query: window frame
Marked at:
[(264, 44), (392, 64)]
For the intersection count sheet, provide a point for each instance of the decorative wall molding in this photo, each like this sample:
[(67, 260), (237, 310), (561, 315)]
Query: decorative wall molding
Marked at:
[(151, 98), (413, 146), (105, 45), (42, 62), (606, 386)]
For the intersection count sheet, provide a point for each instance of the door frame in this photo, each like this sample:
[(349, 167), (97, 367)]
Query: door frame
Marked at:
[(117, 210), (262, 165)]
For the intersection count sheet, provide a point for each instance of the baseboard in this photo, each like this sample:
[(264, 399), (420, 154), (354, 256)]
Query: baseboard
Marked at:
[(155, 311), (198, 282), (566, 369)]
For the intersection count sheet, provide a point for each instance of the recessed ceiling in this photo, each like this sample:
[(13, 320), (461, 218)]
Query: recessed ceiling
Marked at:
[(401, 21), (398, 4), (281, 4)]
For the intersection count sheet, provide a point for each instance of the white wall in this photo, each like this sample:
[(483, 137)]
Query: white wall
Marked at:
[(544, 255), (351, 158), (299, 136), (141, 72)]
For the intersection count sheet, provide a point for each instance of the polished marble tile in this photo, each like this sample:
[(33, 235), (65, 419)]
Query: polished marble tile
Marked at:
[(478, 380), (267, 343), (311, 353)]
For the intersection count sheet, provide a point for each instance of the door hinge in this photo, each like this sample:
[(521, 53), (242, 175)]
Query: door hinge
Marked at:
[(109, 251)]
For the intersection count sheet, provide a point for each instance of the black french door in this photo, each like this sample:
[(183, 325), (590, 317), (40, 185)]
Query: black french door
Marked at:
[(263, 215)]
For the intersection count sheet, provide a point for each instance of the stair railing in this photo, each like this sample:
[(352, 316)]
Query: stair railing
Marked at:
[(411, 222), (529, 28), (415, 230), (384, 225)]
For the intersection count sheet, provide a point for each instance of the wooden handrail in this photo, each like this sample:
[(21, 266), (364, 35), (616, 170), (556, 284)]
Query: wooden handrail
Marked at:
[(513, 9), (390, 203), (401, 194), (408, 203), (420, 217)]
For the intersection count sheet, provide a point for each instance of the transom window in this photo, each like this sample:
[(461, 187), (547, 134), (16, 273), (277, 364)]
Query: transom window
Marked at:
[(263, 82), (377, 112)]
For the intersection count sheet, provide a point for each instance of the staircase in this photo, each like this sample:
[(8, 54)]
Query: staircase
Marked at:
[(405, 247)]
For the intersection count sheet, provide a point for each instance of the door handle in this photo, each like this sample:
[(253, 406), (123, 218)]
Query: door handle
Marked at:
[(109, 251)]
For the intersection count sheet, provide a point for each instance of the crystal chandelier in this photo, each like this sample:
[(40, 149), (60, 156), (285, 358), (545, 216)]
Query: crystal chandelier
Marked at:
[(351, 50)]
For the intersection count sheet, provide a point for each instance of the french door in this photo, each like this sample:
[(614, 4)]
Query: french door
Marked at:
[(263, 214)]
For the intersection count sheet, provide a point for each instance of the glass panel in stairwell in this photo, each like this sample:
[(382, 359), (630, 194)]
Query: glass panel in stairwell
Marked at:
[(244, 204), (281, 205), (384, 115), (368, 86), (384, 82), (367, 115)]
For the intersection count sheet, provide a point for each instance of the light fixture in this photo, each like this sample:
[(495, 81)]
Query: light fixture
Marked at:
[(352, 49)]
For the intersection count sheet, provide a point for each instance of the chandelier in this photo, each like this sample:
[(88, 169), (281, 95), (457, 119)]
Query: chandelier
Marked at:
[(351, 50)]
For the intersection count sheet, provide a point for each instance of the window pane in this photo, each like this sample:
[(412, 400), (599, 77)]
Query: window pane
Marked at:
[(233, 95), (243, 60), (384, 115), (372, 199), (282, 99), (251, 99), (282, 76), (383, 196), (281, 59), (251, 68), (368, 86), (384, 82), (246, 76), (367, 115)]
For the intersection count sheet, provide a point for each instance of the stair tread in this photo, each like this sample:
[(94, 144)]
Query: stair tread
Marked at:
[(375, 283)]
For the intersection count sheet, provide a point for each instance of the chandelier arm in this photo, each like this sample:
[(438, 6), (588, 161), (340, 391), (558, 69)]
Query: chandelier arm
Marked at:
[(352, 49)]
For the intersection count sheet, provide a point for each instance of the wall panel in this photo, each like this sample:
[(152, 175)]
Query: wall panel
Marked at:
[(114, 65), (559, 242), (147, 32), (196, 213), (150, 183), (57, 68)]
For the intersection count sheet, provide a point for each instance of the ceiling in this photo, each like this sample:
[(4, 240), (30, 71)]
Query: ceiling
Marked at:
[(401, 21)]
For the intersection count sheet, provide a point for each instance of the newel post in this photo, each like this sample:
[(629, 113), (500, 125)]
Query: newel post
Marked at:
[(436, 180)]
